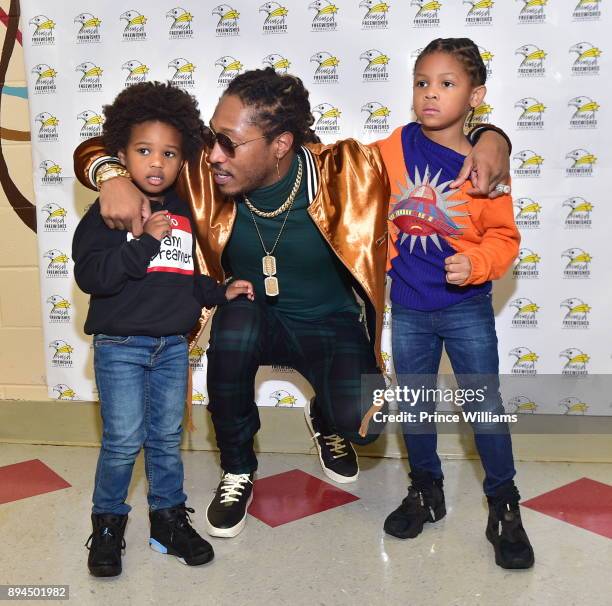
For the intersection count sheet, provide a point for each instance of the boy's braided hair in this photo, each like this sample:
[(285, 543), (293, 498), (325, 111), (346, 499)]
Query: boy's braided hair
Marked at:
[(280, 104), (153, 101)]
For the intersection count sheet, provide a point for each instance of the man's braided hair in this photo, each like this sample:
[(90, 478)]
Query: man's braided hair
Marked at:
[(157, 102), (279, 102)]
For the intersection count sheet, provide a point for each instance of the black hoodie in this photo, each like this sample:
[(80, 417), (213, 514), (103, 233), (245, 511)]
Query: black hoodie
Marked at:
[(141, 286)]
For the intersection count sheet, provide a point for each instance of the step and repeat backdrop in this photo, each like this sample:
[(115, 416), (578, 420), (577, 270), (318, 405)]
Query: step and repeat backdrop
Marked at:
[(548, 87)]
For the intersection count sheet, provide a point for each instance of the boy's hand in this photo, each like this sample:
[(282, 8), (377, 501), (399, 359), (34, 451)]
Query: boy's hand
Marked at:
[(240, 287), (158, 225), (458, 269)]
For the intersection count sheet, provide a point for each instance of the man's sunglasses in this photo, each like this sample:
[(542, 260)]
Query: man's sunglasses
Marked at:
[(225, 143)]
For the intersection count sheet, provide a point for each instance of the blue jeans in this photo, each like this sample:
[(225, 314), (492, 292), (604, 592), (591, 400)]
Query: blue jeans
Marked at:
[(142, 382), (467, 331)]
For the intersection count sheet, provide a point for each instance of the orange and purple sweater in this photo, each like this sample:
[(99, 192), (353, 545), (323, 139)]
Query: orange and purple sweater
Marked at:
[(429, 222)]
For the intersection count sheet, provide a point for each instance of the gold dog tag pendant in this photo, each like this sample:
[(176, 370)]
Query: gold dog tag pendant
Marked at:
[(268, 264), (271, 284)]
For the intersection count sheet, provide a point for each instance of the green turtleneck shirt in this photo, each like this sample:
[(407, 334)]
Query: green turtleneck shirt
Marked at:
[(312, 282)]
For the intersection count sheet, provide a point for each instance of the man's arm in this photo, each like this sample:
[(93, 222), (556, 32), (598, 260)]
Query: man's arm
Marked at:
[(488, 165), (122, 204)]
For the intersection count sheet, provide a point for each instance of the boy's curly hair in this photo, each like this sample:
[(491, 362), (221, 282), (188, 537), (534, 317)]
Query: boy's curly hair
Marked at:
[(153, 101)]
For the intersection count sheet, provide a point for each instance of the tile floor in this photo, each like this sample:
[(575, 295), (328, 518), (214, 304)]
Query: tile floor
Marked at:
[(308, 542)]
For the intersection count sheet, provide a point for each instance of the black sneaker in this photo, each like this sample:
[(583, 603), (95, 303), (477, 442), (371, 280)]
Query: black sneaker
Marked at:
[(227, 512), (505, 529), (172, 533), (337, 456), (105, 544), (424, 503)]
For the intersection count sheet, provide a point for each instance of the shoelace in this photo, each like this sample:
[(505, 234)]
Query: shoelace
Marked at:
[(336, 444), (182, 522), (232, 486), (107, 539)]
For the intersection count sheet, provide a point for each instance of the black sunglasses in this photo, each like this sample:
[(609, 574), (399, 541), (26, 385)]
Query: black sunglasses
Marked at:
[(225, 143)]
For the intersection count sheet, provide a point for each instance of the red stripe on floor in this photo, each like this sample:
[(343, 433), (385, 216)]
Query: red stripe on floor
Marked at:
[(27, 479)]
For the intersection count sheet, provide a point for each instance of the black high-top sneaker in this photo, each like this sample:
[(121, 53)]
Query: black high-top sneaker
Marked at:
[(505, 529), (424, 503), (227, 512), (172, 533), (105, 544), (337, 456)]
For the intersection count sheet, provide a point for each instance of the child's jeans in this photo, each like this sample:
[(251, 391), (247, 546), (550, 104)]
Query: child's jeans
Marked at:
[(142, 382), (467, 331)]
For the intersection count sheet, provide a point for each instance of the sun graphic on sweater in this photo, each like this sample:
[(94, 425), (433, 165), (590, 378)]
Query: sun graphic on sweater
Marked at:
[(423, 210)]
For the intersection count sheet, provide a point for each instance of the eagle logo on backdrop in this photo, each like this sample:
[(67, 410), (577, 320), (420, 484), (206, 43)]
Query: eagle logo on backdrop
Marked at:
[(487, 59), (91, 77), (578, 263), (479, 12), (531, 116), (325, 17), (60, 309), (180, 27), (277, 62), (427, 14), (52, 173), (527, 213), (283, 398), (45, 78), (576, 314), (64, 392), (92, 124), (327, 122), (377, 120), (183, 73), (43, 30), (579, 214), (574, 406), (227, 25), (376, 14), (376, 69), (524, 361), (585, 112), (527, 264), (532, 64), (326, 71), (56, 217), (48, 127), (134, 30), (586, 60), (523, 404), (137, 71), (582, 163), (276, 18), (62, 353), (230, 68), (532, 11), (587, 10), (575, 362), (525, 315), (423, 211), (529, 163), (89, 30)]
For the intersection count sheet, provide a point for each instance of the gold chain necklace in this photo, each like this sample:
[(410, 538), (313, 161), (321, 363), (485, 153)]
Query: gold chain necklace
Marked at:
[(268, 261), (286, 204)]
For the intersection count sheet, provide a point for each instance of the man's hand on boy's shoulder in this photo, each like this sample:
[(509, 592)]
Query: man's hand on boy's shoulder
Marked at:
[(123, 205), (240, 287)]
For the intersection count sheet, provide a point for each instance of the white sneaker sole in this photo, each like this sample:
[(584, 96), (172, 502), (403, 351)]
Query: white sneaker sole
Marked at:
[(228, 533), (332, 475)]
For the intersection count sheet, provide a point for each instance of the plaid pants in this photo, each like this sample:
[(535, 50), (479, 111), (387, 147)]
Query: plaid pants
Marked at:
[(332, 354)]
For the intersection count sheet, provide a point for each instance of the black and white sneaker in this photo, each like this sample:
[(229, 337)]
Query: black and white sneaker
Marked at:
[(227, 512), (337, 456)]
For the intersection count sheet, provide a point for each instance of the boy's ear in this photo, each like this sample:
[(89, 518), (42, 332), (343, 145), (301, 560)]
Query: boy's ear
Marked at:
[(478, 95), (121, 156)]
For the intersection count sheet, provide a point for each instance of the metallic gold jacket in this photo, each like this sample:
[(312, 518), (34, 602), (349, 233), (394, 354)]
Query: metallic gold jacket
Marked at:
[(348, 190)]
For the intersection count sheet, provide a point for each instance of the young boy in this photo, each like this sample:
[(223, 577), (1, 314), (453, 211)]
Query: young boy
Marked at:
[(145, 298)]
